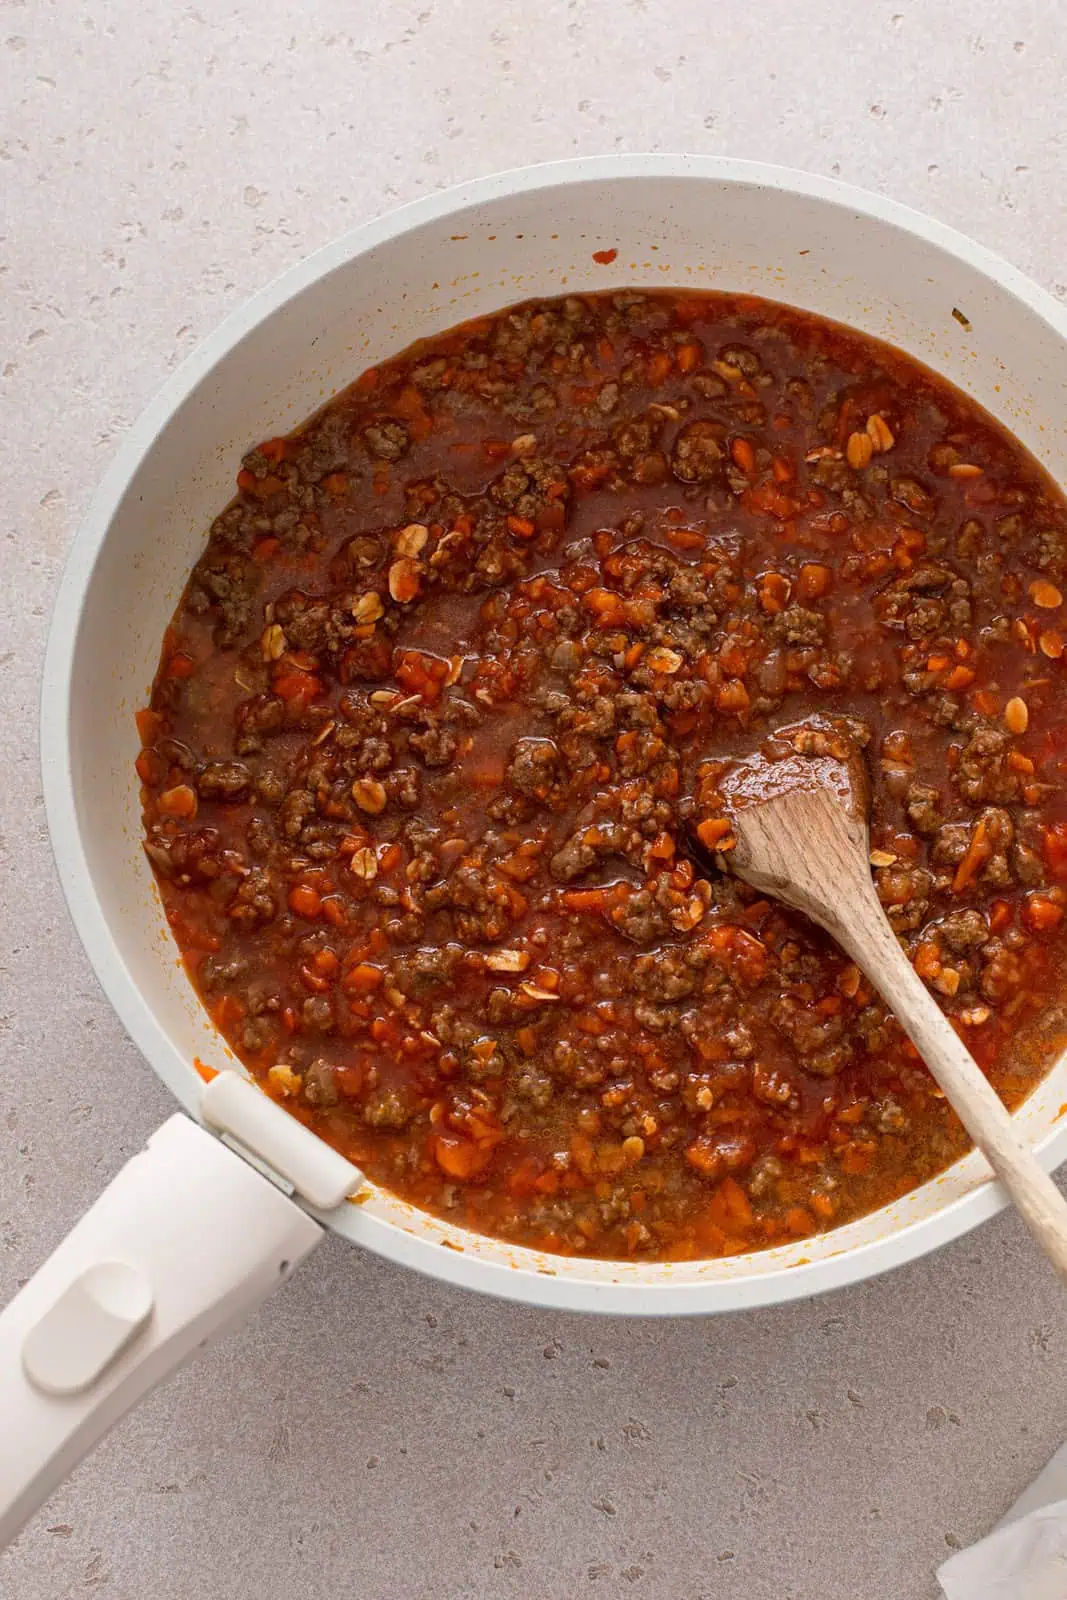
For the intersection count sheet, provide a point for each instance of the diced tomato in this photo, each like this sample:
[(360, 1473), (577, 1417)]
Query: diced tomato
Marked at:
[(1041, 913), (459, 1158), (305, 900)]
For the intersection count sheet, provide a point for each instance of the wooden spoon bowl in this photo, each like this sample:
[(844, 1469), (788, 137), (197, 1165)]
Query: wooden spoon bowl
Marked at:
[(796, 829)]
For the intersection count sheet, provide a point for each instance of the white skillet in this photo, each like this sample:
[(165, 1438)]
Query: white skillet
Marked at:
[(191, 1235)]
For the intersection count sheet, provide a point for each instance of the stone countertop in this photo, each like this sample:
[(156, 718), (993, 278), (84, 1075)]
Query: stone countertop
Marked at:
[(372, 1434)]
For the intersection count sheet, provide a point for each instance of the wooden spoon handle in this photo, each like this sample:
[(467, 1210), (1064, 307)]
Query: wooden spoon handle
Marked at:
[(871, 943)]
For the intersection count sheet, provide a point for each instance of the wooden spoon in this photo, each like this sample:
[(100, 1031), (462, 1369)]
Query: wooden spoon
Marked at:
[(799, 833)]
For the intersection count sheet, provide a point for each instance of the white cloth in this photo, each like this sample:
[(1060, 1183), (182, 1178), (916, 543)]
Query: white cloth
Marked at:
[(1025, 1557)]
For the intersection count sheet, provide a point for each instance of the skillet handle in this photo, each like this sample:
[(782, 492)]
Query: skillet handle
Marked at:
[(186, 1240)]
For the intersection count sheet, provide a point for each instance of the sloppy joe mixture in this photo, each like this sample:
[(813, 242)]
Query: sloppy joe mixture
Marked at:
[(422, 766)]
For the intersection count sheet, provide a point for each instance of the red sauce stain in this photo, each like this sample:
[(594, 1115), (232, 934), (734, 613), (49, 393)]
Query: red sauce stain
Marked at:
[(206, 1072), (604, 257)]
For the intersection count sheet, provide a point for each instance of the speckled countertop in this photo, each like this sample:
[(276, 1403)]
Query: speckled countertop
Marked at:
[(371, 1434)]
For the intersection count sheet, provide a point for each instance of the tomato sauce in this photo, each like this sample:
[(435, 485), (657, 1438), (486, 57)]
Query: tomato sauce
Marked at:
[(422, 765)]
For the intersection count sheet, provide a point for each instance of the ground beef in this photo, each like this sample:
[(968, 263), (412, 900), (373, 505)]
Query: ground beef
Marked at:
[(963, 930), (194, 857), (255, 903), (320, 1084), (389, 441), (434, 745), (225, 588), (387, 1109), (256, 720), (534, 769), (698, 452), (984, 772), (664, 975), (800, 625), (223, 780), (924, 807)]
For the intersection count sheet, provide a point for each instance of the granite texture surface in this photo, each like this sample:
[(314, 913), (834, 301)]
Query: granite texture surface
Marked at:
[(372, 1434)]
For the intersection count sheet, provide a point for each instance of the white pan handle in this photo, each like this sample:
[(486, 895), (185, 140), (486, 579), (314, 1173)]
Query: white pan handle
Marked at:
[(187, 1239)]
